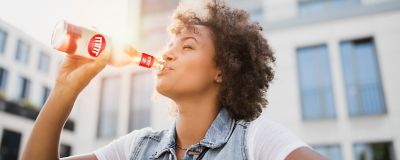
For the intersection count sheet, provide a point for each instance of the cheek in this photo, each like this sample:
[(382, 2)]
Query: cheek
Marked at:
[(195, 78), (197, 73)]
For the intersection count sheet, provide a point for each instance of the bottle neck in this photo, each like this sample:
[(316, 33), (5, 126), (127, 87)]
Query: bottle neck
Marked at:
[(158, 65), (150, 61)]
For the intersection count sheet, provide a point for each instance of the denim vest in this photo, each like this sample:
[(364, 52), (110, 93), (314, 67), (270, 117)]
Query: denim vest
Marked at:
[(225, 139)]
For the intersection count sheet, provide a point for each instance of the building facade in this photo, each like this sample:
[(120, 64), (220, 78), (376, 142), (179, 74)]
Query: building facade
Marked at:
[(336, 65)]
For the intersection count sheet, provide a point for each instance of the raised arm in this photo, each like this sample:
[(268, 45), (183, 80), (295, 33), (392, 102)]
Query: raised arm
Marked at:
[(74, 75)]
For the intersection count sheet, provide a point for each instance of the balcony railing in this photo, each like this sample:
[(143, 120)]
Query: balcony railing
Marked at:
[(16, 109)]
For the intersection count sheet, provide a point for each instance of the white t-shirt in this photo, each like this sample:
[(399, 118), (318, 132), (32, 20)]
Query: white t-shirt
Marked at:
[(266, 140)]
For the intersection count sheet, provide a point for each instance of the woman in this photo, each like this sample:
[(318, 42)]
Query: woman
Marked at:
[(218, 69)]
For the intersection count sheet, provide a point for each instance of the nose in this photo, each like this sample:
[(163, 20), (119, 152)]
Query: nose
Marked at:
[(168, 55)]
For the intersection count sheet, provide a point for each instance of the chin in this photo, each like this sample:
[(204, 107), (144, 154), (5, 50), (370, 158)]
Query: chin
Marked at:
[(162, 88), (168, 90)]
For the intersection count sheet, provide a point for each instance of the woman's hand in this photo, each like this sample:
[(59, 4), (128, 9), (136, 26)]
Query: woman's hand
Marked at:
[(76, 72)]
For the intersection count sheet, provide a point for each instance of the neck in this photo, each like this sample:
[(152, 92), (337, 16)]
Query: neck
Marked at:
[(195, 116)]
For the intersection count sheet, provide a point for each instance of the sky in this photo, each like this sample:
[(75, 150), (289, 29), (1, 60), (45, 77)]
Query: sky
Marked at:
[(37, 18)]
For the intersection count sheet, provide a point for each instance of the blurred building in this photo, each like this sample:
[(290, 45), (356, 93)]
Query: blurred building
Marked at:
[(27, 71), (337, 74)]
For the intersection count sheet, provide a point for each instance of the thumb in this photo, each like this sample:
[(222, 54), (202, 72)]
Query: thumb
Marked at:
[(99, 63)]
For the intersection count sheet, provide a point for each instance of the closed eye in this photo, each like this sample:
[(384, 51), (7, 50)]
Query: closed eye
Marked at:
[(187, 47)]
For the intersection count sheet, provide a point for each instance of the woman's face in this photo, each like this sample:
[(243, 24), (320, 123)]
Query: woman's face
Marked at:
[(190, 69)]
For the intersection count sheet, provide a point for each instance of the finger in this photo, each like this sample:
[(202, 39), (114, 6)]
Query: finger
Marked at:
[(77, 59), (89, 66), (90, 70), (99, 63), (103, 58)]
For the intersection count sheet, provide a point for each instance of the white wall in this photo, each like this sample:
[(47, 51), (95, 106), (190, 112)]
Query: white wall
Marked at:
[(280, 10)]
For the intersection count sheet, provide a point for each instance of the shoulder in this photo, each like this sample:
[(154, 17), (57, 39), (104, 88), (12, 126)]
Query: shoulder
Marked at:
[(149, 133), (267, 139), (266, 124), (134, 136), (122, 146), (267, 127), (305, 153)]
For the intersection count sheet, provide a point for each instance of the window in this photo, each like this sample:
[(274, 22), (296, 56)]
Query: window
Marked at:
[(362, 78), (378, 151), (3, 79), (108, 116), (22, 54), (315, 83), (140, 105), (332, 152), (65, 150), (45, 94), (309, 7), (10, 145), (3, 40), (44, 62), (23, 88)]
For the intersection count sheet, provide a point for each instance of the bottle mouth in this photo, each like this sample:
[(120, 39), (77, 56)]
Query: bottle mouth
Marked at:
[(58, 36), (160, 65)]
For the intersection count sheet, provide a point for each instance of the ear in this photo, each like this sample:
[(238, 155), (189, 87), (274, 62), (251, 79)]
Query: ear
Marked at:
[(218, 77)]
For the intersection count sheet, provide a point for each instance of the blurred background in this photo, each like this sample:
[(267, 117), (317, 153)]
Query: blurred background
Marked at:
[(336, 86)]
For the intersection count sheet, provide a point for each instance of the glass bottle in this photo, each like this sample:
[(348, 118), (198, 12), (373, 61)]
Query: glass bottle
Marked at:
[(73, 39)]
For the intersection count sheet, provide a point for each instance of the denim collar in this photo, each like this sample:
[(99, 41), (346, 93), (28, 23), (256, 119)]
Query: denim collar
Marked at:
[(217, 135), (167, 143)]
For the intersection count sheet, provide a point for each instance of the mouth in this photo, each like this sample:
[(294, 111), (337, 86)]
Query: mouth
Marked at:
[(165, 70)]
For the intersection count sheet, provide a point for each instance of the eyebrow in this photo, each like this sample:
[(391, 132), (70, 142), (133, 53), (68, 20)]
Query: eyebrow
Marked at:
[(189, 37), (184, 39)]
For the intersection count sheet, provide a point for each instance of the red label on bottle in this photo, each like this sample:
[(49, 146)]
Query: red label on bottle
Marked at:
[(96, 45), (146, 60)]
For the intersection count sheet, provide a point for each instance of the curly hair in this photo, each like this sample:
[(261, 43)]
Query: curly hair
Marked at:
[(242, 54)]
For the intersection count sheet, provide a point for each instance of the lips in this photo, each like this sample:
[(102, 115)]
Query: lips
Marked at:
[(165, 70)]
